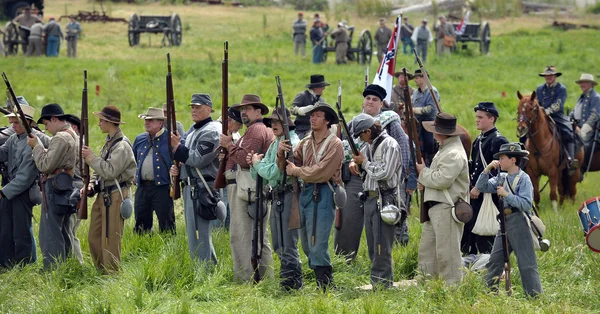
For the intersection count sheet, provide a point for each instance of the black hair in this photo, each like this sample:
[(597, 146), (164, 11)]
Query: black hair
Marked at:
[(376, 130), (489, 115)]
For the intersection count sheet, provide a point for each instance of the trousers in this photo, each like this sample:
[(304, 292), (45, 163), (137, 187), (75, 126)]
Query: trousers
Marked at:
[(380, 240), (17, 245), (289, 256), (422, 46), (318, 247), (72, 47), (106, 251), (153, 198), (56, 232), (347, 239), (472, 243)]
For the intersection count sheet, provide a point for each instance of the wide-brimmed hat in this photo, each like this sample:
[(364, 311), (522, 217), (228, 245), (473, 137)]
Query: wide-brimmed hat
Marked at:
[(487, 107), (375, 90), (50, 110), (28, 111), (361, 123), (110, 114), (511, 150), (73, 119), (278, 115), (254, 100), (330, 114), (153, 114), (444, 124), (202, 100), (586, 78), (234, 114), (550, 70), (408, 74), (317, 80), (418, 72)]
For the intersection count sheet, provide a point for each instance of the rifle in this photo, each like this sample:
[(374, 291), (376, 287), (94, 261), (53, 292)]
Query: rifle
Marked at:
[(294, 222), (257, 234), (413, 138), (175, 190), (504, 237), (338, 211), (84, 169), (220, 181), (366, 77), (426, 78), (15, 107), (347, 131), (4, 111)]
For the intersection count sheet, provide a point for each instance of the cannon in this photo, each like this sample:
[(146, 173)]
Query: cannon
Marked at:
[(169, 26), (362, 53), (475, 32)]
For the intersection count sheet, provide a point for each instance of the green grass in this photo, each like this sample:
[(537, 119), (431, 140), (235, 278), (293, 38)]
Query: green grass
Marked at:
[(157, 275)]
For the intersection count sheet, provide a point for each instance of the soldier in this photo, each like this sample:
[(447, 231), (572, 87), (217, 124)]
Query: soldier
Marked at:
[(57, 163), (484, 147), (382, 161), (20, 192), (382, 38), (425, 110), (152, 175), (422, 37), (587, 113), (444, 182), (35, 47), (305, 101), (54, 34), (318, 161), (299, 35), (75, 123), (26, 19), (73, 31), (113, 170), (397, 100), (265, 165), (552, 96), (340, 34), (445, 35), (406, 32), (257, 138), (316, 37)]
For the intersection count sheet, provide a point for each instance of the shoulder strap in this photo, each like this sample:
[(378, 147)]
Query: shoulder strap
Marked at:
[(323, 147), (377, 148), (512, 187), (111, 147), (481, 154)]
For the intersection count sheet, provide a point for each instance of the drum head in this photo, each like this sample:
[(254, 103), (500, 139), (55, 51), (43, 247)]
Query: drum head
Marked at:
[(593, 239)]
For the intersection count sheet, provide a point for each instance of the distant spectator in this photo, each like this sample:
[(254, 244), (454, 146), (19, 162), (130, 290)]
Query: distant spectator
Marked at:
[(382, 38), (446, 38), (53, 36), (26, 19), (422, 37), (406, 32), (299, 28), (73, 31)]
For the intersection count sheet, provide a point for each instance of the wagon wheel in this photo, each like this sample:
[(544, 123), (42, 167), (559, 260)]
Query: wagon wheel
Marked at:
[(133, 35), (324, 46), (176, 30), (486, 39), (11, 38), (365, 47)]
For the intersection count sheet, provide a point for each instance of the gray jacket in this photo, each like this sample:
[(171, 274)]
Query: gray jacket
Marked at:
[(200, 150)]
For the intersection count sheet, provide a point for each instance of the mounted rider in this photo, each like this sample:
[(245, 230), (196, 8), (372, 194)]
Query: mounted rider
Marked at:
[(587, 111), (552, 96)]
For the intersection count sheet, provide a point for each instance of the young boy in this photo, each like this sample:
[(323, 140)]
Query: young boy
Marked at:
[(517, 199)]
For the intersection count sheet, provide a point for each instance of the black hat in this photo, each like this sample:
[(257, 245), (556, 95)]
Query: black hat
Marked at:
[(330, 114), (550, 70), (50, 110), (317, 80), (487, 107), (73, 119), (234, 114), (512, 150), (376, 90), (444, 123), (278, 115)]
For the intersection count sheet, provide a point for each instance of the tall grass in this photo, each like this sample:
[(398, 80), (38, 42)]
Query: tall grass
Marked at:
[(157, 275)]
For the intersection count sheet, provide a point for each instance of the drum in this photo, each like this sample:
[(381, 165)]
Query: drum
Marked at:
[(589, 214)]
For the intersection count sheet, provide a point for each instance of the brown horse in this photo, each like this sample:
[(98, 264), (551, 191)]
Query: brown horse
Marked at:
[(545, 148)]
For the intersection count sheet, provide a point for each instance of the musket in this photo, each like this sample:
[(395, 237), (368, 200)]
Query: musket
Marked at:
[(175, 189), (347, 132), (338, 211), (14, 105), (294, 222), (84, 169), (505, 250), (366, 76), (257, 235), (4, 111), (413, 139), (426, 78), (220, 181)]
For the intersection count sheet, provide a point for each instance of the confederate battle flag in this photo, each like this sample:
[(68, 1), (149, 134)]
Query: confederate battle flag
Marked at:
[(385, 73)]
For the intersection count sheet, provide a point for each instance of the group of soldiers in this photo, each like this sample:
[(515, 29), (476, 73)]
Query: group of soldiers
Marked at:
[(369, 188), (38, 35)]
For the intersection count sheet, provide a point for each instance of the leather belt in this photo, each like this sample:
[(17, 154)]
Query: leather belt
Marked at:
[(69, 171), (383, 193), (432, 203), (112, 188), (231, 181), (147, 182)]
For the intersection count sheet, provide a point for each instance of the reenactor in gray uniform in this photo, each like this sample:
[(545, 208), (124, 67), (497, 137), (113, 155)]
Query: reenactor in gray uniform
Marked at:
[(73, 31), (57, 163), (198, 156), (382, 38), (25, 21), (299, 28), (75, 123), (340, 34), (305, 102), (36, 46), (422, 37), (443, 30), (19, 194)]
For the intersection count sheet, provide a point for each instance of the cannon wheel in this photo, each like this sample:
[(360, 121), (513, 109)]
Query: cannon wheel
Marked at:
[(11, 39), (365, 47), (486, 38), (133, 35), (176, 30)]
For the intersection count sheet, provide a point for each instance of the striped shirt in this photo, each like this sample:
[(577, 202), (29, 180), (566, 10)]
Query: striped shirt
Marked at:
[(383, 165)]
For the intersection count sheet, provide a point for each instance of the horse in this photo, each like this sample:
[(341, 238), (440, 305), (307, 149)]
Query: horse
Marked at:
[(594, 163), (544, 145)]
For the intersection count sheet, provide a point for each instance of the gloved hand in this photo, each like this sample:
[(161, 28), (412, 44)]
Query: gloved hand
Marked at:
[(548, 111), (586, 132), (418, 110), (301, 111)]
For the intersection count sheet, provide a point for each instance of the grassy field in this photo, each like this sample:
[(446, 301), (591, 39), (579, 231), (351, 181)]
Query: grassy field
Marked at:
[(157, 275)]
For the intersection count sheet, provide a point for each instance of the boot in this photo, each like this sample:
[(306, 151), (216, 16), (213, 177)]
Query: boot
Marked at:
[(291, 278), (324, 276), (572, 162)]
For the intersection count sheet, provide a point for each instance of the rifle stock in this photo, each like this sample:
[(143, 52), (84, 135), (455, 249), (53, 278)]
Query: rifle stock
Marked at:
[(82, 209), (294, 222), (220, 181), (175, 189)]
